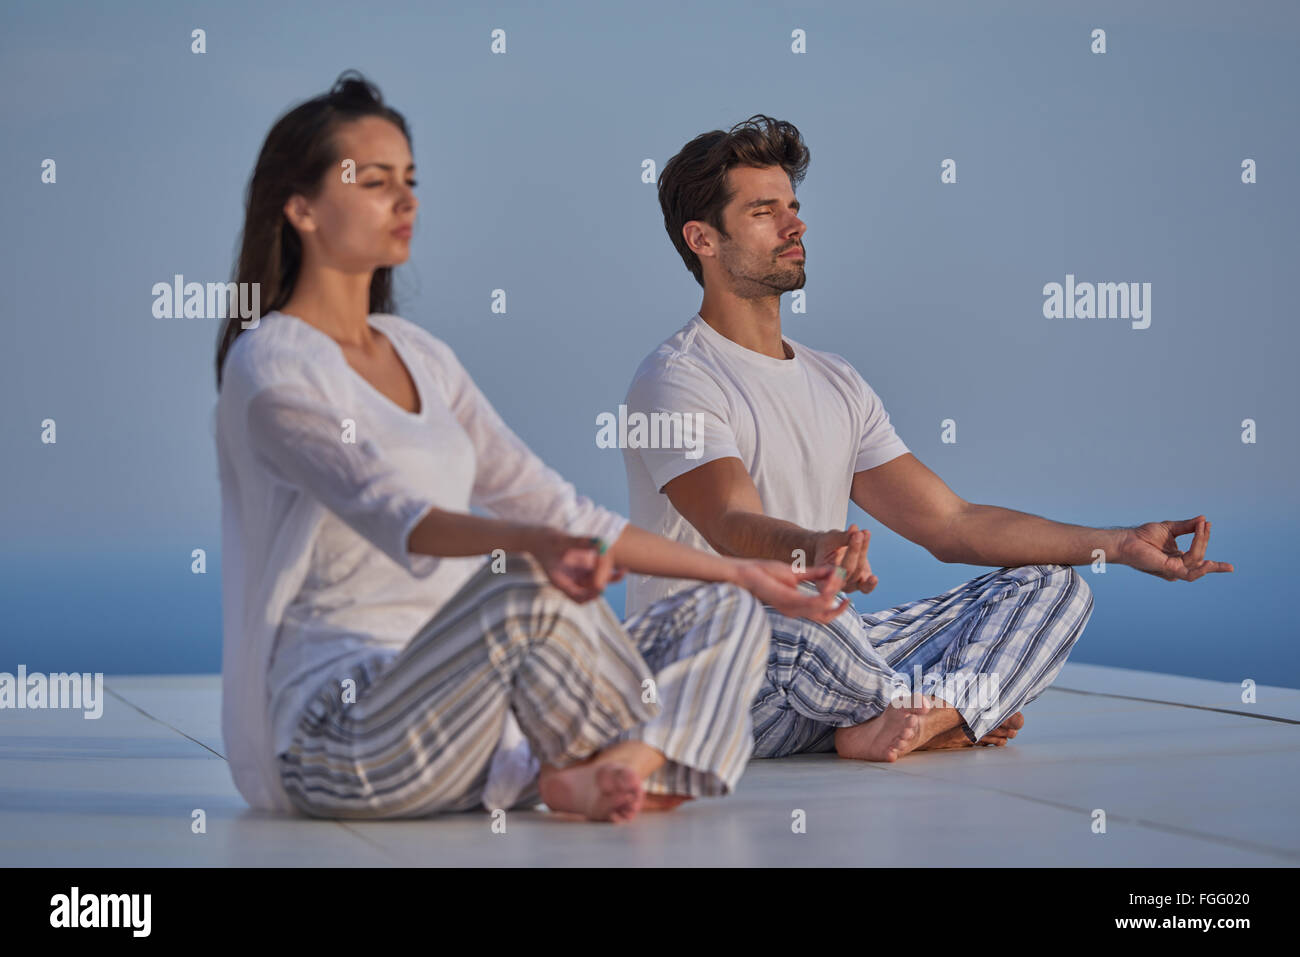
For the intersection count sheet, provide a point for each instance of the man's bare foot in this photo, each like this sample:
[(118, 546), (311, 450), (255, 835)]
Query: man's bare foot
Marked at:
[(599, 791), (886, 737), (956, 738)]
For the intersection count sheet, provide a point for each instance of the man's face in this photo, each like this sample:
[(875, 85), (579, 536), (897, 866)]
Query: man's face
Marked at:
[(764, 255)]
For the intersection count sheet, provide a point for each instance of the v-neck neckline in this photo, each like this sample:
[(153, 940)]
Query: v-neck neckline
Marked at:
[(401, 357)]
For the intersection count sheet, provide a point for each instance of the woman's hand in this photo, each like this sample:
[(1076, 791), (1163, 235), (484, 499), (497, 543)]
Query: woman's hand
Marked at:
[(774, 583), (580, 567)]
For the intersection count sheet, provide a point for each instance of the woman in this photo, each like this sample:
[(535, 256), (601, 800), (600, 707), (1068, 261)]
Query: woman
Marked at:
[(374, 663)]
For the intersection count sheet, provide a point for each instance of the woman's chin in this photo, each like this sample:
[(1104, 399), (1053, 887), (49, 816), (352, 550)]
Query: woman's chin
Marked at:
[(395, 259)]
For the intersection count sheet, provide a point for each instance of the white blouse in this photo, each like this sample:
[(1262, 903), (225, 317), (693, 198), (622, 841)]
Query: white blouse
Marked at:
[(322, 480)]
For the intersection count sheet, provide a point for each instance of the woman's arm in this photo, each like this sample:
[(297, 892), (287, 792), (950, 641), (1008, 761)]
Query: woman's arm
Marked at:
[(640, 551), (771, 582), (455, 534), (581, 567)]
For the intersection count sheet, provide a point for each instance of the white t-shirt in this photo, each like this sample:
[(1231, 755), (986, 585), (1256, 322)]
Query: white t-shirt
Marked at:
[(801, 426), (315, 571)]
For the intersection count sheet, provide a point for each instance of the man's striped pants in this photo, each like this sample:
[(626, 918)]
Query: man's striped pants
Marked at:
[(988, 646)]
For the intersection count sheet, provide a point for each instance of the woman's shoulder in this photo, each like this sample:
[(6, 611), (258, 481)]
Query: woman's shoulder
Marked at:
[(277, 350), (413, 332), (440, 356)]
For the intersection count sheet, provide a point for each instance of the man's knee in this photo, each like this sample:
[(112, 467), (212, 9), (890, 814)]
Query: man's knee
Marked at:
[(1078, 602), (1065, 574), (1077, 586), (738, 612)]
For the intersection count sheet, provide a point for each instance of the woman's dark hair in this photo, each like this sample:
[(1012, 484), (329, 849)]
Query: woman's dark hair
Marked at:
[(693, 184), (297, 154)]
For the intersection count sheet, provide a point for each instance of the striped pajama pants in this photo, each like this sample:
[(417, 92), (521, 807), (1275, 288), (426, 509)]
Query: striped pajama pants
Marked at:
[(422, 730), (1017, 624)]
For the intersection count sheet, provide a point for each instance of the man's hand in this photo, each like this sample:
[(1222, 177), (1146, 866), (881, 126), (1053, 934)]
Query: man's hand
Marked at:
[(1153, 548), (774, 583), (848, 550)]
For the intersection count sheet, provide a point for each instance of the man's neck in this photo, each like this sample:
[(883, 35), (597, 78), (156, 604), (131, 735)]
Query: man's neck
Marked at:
[(752, 323)]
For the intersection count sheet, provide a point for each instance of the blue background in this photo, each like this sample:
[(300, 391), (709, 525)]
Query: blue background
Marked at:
[(1116, 167)]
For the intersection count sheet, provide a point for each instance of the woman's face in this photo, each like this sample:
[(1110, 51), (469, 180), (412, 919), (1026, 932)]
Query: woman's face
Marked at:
[(350, 225)]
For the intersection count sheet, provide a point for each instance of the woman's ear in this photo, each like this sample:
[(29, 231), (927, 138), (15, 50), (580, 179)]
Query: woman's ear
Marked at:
[(298, 212)]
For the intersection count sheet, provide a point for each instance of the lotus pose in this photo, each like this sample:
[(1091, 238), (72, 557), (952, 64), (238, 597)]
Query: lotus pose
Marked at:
[(387, 652), (791, 434)]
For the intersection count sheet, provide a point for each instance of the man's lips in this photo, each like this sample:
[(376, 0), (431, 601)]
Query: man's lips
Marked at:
[(403, 232), (797, 251)]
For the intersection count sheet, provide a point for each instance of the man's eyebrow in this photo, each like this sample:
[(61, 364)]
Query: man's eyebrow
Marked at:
[(768, 202), (387, 166)]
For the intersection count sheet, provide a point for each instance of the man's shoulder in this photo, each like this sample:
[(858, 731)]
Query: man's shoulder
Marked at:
[(675, 362)]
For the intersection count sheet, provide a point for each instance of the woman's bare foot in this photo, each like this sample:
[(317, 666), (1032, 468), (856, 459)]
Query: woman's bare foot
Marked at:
[(664, 802), (599, 791), (607, 786), (956, 738), (886, 737)]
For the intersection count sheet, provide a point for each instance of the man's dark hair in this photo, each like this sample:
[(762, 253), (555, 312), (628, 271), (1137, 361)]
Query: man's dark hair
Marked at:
[(693, 184)]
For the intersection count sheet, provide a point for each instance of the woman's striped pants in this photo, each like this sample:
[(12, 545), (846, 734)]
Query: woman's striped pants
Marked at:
[(421, 730)]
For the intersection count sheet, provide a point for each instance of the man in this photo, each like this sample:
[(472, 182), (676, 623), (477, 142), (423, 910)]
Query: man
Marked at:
[(780, 437)]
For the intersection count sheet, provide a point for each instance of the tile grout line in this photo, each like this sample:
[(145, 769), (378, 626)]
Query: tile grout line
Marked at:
[(387, 854), (163, 723), (1177, 704), (343, 824)]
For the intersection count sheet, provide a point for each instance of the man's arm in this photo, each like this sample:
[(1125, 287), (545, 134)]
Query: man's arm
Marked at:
[(720, 500), (910, 499), (907, 497)]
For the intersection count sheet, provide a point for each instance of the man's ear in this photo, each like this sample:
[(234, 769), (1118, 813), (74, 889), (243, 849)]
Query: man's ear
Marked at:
[(697, 238)]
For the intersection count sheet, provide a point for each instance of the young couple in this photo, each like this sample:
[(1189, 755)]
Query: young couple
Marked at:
[(388, 652)]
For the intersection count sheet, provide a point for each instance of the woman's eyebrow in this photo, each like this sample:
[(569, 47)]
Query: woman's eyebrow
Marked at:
[(387, 166)]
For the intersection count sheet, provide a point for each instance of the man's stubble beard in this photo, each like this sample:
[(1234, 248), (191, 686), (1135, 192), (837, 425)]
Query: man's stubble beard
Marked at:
[(764, 285)]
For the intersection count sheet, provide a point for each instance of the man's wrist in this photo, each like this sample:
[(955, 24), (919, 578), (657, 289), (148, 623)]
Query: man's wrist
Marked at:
[(1119, 537), (812, 548)]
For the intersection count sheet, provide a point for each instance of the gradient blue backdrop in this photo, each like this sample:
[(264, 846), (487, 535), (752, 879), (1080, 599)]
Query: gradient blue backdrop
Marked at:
[(1116, 167)]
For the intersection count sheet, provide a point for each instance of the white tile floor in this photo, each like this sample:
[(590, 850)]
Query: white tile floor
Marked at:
[(1186, 773)]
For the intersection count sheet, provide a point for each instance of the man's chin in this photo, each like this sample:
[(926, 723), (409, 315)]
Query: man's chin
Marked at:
[(791, 283)]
